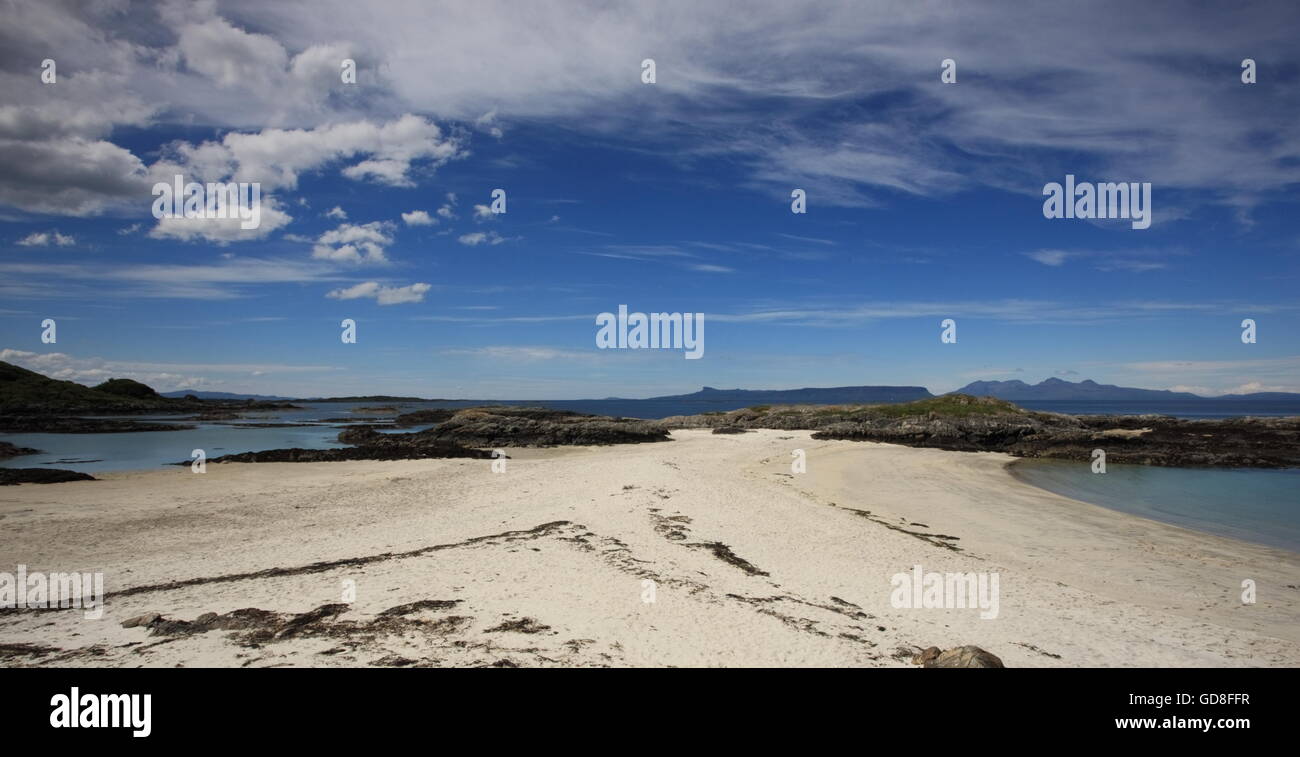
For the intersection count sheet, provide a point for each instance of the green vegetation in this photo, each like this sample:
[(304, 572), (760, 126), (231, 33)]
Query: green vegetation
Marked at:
[(127, 388), (955, 405), (952, 406), (24, 391)]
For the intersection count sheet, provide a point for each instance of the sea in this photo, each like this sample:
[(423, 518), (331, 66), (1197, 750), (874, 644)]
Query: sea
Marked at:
[(1261, 506)]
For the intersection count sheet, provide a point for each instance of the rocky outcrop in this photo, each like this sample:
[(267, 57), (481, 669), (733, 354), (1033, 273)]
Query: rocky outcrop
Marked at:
[(537, 427), (958, 657), (24, 392), (8, 450), (13, 476), (38, 424), (985, 424), (1140, 440), (415, 451), (424, 417)]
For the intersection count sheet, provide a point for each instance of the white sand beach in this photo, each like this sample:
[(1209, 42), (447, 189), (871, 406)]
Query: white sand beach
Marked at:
[(545, 564)]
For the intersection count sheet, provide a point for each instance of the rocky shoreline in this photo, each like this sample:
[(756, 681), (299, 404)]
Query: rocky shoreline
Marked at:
[(466, 433), (14, 476), (984, 424)]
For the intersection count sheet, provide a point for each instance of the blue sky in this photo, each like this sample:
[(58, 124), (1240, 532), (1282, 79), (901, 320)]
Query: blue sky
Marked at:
[(924, 198)]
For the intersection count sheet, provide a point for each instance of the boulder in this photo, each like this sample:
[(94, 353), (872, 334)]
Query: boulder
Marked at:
[(958, 657)]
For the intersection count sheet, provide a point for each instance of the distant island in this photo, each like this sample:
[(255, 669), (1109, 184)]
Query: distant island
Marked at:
[(1060, 390), (28, 393), (183, 393)]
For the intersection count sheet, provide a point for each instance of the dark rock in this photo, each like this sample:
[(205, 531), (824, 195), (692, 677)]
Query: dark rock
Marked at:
[(538, 427), (423, 450), (986, 424), (12, 476), (424, 417), (730, 430), (8, 450), (34, 424)]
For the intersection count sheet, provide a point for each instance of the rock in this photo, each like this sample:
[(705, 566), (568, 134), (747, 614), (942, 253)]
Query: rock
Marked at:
[(539, 427), (730, 430), (420, 450), (985, 424), (40, 424), (8, 450), (14, 476), (927, 655), (958, 657), (424, 417), (147, 619)]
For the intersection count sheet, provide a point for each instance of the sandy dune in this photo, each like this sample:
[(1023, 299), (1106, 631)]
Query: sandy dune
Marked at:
[(548, 563)]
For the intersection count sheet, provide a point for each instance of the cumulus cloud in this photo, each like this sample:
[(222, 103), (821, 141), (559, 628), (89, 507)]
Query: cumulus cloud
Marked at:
[(337, 212), (383, 295), (277, 157), (355, 243), (418, 218), (223, 231)]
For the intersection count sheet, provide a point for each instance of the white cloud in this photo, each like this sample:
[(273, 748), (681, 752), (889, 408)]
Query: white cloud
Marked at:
[(446, 210), (1052, 258), (522, 354), (569, 63), (488, 122), (223, 231), (382, 294), (418, 218), (353, 243), (483, 213), (477, 238), (276, 157), (45, 239), (337, 213)]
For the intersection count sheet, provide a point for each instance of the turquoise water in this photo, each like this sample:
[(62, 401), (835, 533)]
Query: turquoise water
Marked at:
[(1261, 506), (143, 450)]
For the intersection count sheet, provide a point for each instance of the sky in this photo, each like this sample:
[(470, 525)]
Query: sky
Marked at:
[(924, 197)]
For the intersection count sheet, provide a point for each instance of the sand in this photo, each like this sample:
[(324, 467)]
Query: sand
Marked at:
[(550, 563)]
